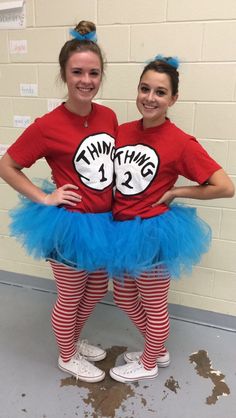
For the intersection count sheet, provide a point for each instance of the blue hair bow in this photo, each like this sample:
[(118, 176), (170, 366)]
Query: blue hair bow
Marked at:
[(173, 61), (91, 36)]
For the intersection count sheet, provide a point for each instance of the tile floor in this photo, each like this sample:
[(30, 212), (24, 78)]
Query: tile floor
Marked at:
[(200, 381)]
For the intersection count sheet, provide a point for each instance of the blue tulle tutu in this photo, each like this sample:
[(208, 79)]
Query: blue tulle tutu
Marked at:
[(80, 240), (172, 242)]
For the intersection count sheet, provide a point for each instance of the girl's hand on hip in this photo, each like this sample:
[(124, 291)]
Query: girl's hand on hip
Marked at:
[(167, 198), (64, 195)]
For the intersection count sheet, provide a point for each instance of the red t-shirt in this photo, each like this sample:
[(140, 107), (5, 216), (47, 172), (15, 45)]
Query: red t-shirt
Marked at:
[(148, 163), (79, 150)]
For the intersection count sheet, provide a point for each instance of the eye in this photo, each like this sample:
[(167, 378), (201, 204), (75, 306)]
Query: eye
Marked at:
[(95, 73), (144, 89), (160, 93), (76, 71)]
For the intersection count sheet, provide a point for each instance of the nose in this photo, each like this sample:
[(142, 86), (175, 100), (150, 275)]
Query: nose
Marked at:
[(85, 78), (150, 96)]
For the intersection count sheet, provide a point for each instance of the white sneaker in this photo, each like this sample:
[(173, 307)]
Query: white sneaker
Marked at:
[(81, 369), (90, 352), (132, 372), (162, 361)]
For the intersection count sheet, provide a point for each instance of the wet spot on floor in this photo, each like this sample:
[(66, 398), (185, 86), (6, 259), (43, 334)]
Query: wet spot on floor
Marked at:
[(205, 370), (165, 394), (172, 384), (143, 401), (107, 396)]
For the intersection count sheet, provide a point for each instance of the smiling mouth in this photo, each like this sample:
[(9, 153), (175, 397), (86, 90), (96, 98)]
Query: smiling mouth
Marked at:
[(85, 89), (148, 107)]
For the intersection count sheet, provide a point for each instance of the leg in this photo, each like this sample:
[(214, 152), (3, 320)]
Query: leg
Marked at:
[(70, 286), (126, 296), (154, 294), (95, 289)]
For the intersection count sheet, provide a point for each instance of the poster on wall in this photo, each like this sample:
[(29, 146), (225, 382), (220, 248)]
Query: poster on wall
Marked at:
[(3, 149), (12, 14)]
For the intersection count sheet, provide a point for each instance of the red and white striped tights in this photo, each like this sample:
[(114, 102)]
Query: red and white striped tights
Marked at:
[(78, 293), (145, 302)]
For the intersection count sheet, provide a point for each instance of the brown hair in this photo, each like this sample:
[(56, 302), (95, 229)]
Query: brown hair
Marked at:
[(76, 45), (163, 67), (84, 26)]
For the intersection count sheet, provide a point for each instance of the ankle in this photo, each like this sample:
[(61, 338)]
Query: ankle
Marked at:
[(148, 366), (66, 359)]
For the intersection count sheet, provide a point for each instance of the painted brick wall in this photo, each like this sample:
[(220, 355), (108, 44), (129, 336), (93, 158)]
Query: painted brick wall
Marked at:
[(202, 33)]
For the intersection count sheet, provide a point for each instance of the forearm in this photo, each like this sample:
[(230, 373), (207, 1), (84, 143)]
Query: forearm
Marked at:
[(203, 192), (11, 172), (219, 185), (21, 183)]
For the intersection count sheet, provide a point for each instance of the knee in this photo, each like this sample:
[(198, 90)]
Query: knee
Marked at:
[(124, 302), (103, 291), (97, 292), (117, 299)]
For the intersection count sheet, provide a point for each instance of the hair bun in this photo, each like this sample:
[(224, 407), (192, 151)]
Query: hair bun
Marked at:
[(85, 30)]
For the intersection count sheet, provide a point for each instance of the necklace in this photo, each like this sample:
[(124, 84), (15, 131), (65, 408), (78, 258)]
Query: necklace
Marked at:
[(85, 119)]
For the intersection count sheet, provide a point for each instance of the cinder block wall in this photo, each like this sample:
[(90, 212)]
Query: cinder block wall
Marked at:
[(202, 33)]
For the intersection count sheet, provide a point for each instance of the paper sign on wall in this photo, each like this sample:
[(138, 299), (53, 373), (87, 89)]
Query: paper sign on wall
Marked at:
[(53, 103), (21, 121), (3, 149), (29, 90), (18, 46), (12, 14)]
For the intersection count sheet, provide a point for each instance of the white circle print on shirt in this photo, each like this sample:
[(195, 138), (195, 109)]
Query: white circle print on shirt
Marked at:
[(93, 161), (135, 167)]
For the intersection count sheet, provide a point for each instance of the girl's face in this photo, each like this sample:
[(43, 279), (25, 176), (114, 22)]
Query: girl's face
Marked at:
[(154, 98), (83, 77)]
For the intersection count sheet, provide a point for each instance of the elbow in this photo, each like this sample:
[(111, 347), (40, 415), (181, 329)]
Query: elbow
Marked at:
[(1, 170), (231, 191), (224, 187), (228, 186)]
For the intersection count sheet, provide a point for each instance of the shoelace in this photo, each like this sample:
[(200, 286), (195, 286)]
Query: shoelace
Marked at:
[(133, 367), (82, 346), (81, 364), (77, 358)]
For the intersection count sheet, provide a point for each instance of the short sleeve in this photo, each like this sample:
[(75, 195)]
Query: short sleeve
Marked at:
[(195, 163), (29, 147)]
